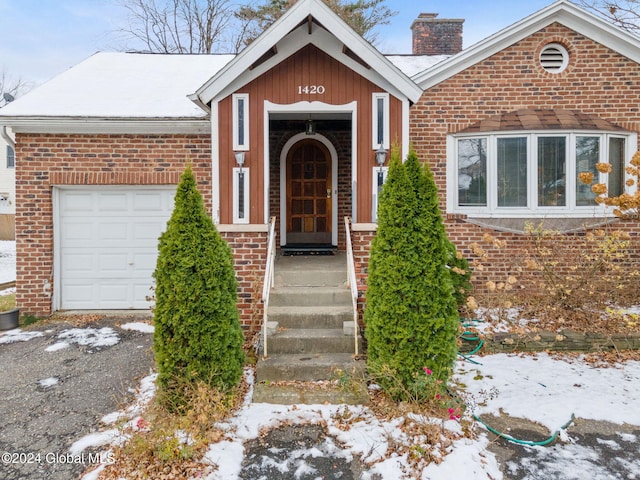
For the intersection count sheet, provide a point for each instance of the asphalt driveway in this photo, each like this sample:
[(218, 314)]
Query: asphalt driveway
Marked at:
[(55, 388)]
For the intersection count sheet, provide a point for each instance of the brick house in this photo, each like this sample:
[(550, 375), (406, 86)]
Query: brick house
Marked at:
[(291, 127)]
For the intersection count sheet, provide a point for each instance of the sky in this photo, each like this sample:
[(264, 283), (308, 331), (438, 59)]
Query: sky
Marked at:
[(42, 38)]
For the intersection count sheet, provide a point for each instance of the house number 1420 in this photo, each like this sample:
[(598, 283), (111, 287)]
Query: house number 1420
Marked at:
[(311, 89)]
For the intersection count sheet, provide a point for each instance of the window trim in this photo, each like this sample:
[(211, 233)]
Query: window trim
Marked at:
[(240, 143), (533, 209), (238, 216), (374, 190), (375, 124)]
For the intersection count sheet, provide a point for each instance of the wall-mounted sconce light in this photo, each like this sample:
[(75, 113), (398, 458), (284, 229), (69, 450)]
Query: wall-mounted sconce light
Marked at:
[(239, 159), (310, 128), (381, 156)]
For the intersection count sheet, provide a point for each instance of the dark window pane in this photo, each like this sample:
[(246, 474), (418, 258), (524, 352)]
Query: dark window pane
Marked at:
[(552, 171), (512, 172), (11, 157), (616, 160), (240, 121), (587, 156), (380, 120), (241, 195), (472, 172)]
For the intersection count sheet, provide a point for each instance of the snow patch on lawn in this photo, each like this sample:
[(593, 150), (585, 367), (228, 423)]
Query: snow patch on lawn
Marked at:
[(7, 261), (549, 390), (18, 335), (89, 337), (48, 382), (138, 327), (539, 387), (97, 439), (57, 346)]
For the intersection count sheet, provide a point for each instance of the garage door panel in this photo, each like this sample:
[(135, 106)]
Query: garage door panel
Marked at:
[(77, 203), (109, 242), (144, 263), (78, 231), (149, 202), (114, 264), (148, 231), (78, 262), (78, 293), (112, 202), (114, 231), (113, 291)]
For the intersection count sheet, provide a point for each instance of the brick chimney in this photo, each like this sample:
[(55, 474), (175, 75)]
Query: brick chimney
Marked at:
[(433, 36)]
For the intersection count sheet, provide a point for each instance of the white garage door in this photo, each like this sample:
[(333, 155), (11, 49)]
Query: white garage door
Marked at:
[(108, 242)]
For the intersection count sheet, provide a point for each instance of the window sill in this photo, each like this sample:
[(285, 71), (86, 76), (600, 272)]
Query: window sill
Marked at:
[(558, 224)]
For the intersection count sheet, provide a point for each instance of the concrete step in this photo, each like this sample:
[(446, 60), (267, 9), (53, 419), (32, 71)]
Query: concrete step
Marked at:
[(307, 367), (311, 317), (311, 340), (354, 393), (311, 278), (311, 270), (305, 296)]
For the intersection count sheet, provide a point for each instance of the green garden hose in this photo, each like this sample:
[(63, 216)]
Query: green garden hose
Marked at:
[(511, 439), (470, 336)]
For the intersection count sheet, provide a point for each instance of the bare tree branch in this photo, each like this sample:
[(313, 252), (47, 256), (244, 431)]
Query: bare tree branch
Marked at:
[(11, 88), (623, 13), (180, 26)]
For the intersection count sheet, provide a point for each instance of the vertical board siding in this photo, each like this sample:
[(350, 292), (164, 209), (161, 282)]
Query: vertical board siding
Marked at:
[(308, 67)]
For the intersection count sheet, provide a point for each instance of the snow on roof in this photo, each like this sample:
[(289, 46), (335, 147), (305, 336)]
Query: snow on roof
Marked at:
[(123, 85), (411, 65), (139, 85)]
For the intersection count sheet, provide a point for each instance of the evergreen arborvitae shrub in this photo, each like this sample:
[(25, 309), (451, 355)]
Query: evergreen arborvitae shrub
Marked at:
[(410, 315), (460, 272), (197, 336)]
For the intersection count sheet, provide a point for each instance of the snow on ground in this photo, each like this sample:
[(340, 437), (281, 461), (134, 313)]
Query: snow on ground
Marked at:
[(18, 335), (548, 390), (7, 261), (48, 382), (87, 337), (138, 327), (539, 388)]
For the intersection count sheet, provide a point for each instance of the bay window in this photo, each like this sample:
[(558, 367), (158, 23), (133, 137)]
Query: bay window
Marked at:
[(533, 173)]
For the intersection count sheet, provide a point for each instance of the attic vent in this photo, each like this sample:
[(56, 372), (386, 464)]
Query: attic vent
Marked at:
[(554, 58)]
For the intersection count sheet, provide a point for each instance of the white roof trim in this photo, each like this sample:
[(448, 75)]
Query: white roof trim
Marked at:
[(81, 125), (563, 12), (236, 73)]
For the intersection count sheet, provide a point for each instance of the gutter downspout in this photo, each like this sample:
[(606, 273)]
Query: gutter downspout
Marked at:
[(7, 137)]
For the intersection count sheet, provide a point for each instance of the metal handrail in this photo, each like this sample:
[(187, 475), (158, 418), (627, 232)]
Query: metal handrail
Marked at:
[(351, 280), (268, 279)]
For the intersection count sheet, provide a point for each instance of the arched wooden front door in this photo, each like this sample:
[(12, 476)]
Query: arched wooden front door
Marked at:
[(309, 194)]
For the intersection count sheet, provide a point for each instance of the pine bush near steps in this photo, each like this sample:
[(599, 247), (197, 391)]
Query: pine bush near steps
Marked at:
[(197, 336), (410, 315)]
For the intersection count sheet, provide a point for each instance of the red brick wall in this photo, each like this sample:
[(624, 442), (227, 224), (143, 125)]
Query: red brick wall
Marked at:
[(597, 81), (43, 161), (250, 257), (361, 243)]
